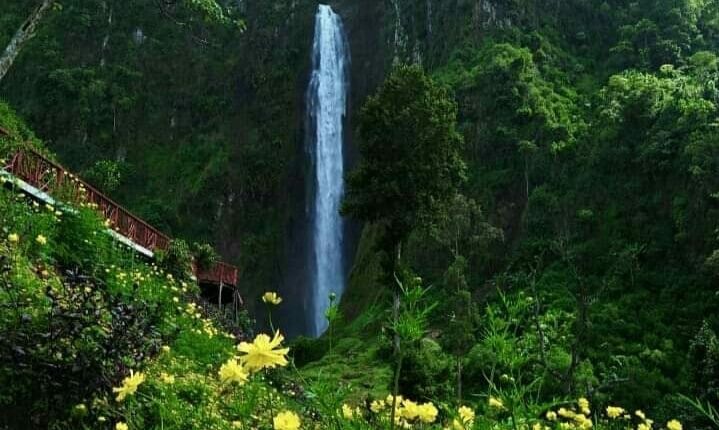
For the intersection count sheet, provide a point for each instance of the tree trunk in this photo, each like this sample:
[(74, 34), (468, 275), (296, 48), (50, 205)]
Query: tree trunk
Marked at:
[(396, 342), (22, 36), (459, 379), (395, 391)]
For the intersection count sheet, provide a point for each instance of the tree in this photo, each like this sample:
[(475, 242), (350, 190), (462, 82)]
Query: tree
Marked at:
[(410, 168), (22, 36), (411, 162)]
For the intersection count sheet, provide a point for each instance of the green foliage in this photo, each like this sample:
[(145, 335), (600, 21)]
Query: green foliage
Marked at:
[(204, 255), (305, 350), (704, 361), (580, 259), (411, 163), (76, 310), (85, 241), (708, 411), (106, 175), (177, 260), (427, 372), (192, 99)]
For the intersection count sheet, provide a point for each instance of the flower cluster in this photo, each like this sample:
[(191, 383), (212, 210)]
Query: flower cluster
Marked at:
[(465, 418), (578, 417), (406, 413), (262, 353)]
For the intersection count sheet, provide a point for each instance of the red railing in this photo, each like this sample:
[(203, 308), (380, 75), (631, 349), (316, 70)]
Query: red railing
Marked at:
[(223, 272), (53, 179)]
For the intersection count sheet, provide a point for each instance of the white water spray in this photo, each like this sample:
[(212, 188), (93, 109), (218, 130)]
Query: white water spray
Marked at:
[(326, 108)]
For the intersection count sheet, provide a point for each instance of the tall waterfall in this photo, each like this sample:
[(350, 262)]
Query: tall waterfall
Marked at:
[(326, 108)]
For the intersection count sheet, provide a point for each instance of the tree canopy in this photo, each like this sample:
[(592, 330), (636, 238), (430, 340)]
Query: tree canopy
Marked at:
[(411, 154)]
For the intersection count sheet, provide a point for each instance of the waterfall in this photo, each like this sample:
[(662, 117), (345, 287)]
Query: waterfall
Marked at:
[(326, 108)]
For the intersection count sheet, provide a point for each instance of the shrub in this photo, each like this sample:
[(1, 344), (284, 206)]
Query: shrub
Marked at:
[(84, 242), (177, 260), (306, 350), (204, 255), (428, 372)]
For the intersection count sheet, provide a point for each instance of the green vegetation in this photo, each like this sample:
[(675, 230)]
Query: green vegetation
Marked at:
[(552, 175), (185, 119)]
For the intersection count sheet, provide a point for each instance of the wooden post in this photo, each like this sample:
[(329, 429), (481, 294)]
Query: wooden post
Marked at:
[(219, 297)]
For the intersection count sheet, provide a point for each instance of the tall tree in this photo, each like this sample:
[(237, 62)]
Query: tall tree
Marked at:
[(22, 36), (410, 168), (411, 163)]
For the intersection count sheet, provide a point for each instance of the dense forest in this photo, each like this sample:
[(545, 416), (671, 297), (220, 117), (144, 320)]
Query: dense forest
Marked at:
[(532, 206)]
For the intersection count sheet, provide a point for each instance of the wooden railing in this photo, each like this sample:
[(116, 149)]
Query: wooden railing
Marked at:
[(54, 180), (223, 272)]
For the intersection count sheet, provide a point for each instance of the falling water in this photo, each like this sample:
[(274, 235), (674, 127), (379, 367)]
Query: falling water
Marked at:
[(326, 107)]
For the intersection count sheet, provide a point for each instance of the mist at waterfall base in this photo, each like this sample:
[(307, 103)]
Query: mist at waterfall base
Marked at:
[(326, 110)]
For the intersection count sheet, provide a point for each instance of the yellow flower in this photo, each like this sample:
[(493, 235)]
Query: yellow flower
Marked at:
[(614, 411), (165, 348), (551, 415), (466, 414), (286, 421), (347, 411), (236, 424), (644, 426), (674, 425), (167, 378), (80, 409), (263, 352), (536, 426), (390, 398), (13, 238), (129, 385), (456, 425), (121, 426), (427, 412), (496, 403), (271, 298), (409, 410), (584, 405), (42, 240), (563, 412), (376, 406), (232, 371), (582, 421), (640, 414)]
